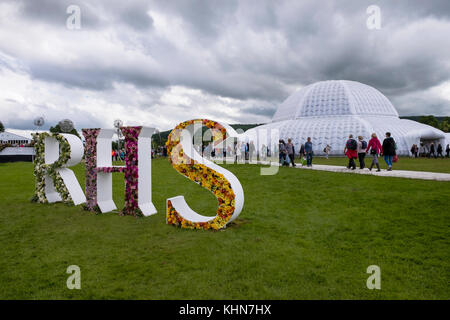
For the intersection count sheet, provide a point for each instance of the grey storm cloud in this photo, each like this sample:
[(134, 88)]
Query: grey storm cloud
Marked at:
[(319, 48), (95, 77), (80, 119), (255, 50), (53, 12)]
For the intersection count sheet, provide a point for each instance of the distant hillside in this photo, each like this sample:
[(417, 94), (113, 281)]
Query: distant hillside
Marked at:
[(417, 118), (441, 123)]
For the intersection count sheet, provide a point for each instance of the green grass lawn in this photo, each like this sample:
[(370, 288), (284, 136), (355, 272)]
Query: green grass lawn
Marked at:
[(302, 235), (404, 163)]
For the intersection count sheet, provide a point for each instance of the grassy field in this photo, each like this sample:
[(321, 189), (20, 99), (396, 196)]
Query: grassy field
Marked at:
[(302, 235)]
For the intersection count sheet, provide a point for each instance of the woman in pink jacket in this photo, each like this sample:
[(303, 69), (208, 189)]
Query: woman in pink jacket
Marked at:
[(375, 149)]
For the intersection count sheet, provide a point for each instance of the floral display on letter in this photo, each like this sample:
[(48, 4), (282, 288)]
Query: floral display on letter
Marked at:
[(203, 175), (130, 169), (41, 169), (90, 158)]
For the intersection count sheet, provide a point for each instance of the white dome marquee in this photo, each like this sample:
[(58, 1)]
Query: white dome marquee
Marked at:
[(329, 111), (335, 98)]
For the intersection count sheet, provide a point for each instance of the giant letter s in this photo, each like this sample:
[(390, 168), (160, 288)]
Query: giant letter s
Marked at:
[(222, 183)]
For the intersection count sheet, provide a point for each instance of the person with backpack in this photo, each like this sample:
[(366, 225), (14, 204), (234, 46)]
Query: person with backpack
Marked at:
[(388, 150), (374, 147), (361, 150), (350, 151)]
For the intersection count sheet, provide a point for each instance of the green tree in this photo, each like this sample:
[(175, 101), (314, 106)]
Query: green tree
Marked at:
[(57, 129), (2, 127), (445, 124), (429, 120)]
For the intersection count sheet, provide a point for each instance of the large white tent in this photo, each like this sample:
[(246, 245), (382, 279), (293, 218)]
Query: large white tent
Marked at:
[(11, 138), (447, 138), (328, 111)]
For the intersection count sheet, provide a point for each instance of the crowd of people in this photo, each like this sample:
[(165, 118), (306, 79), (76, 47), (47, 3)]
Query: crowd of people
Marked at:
[(118, 155), (287, 152), (353, 149), (430, 150), (359, 149)]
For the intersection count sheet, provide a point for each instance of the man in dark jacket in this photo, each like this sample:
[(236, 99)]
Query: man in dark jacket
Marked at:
[(388, 150), (439, 151), (432, 151)]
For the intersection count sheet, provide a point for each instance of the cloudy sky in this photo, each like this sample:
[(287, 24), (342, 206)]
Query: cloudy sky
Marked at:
[(161, 62)]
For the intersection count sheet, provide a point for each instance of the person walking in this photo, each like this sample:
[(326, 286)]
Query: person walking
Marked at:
[(439, 151), (388, 148), (247, 151), (251, 151), (361, 150), (282, 152), (243, 151), (237, 152), (414, 150), (425, 151), (374, 147), (291, 151), (447, 150), (302, 150), (432, 151), (302, 154), (309, 152), (350, 151), (263, 153), (327, 150)]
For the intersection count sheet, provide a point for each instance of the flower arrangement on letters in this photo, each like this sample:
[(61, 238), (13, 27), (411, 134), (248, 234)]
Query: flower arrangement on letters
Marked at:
[(41, 168), (204, 176)]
